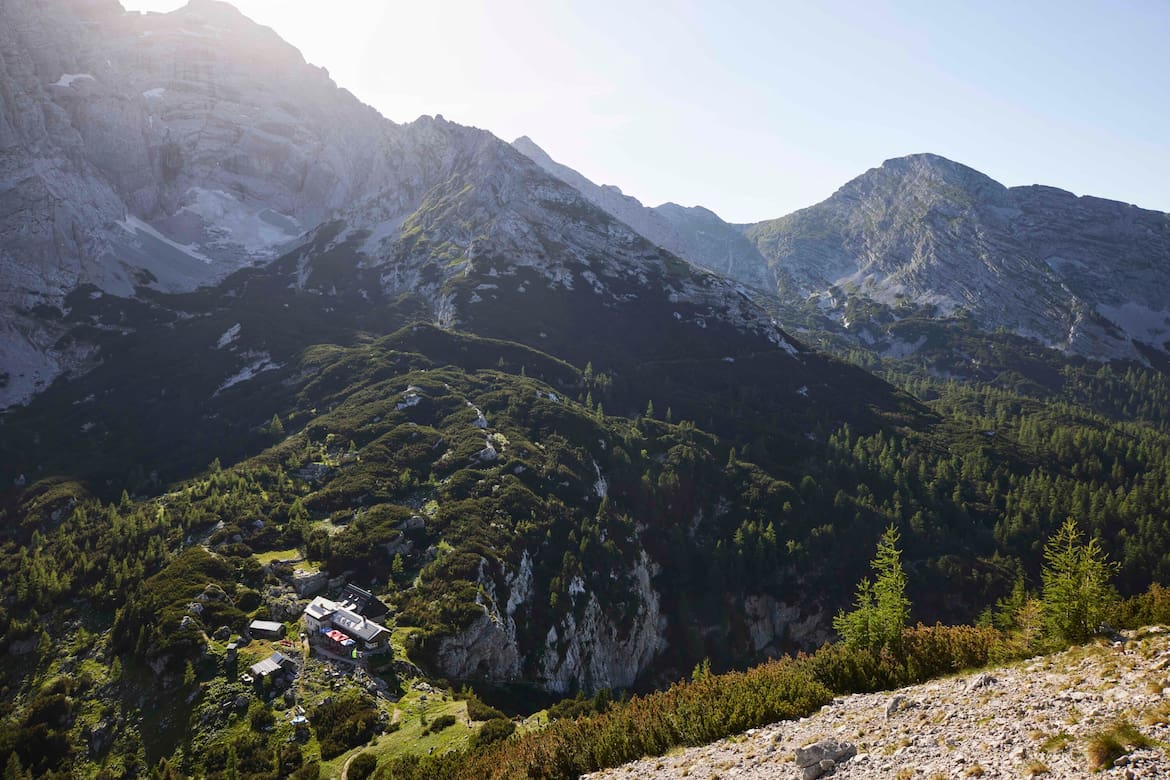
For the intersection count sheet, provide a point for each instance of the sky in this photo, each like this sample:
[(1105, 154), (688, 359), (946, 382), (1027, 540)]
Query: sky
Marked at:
[(757, 108)]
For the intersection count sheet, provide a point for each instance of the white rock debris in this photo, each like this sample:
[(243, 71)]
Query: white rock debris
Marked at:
[(1030, 719)]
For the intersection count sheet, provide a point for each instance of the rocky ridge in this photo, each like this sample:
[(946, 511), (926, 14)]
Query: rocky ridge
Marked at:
[(1084, 275), (695, 234), (1031, 719), (146, 153)]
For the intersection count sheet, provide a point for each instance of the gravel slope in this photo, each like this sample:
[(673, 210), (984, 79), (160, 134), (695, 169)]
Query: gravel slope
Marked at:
[(1035, 718)]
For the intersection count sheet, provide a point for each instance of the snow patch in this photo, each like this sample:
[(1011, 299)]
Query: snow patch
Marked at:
[(229, 335), (67, 79), (261, 364), (136, 226), (230, 222), (154, 94)]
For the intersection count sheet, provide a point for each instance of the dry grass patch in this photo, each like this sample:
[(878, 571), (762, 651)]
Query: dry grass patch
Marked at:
[(975, 770), (1159, 716), (1056, 742), (1035, 769), (1106, 746)]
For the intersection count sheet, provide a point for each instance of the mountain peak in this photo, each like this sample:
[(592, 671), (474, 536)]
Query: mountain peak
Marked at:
[(530, 149), (927, 170)]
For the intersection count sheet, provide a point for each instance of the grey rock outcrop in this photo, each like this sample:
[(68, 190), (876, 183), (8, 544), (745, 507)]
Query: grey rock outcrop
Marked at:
[(775, 625), (309, 583), (165, 151), (1085, 275), (822, 757), (593, 652), (1082, 274)]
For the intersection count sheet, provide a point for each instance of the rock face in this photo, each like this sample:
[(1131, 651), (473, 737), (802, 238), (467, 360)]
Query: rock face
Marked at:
[(163, 151), (775, 625), (1085, 275), (1035, 719), (593, 651)]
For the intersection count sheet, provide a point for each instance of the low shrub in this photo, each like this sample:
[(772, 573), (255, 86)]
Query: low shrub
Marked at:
[(439, 723), (343, 723), (494, 730), (362, 766), (477, 710)]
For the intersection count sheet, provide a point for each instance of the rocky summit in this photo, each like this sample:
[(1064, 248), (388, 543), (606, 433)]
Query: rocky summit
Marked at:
[(1085, 275)]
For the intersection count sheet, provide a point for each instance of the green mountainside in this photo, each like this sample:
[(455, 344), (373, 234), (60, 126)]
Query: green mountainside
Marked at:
[(643, 542)]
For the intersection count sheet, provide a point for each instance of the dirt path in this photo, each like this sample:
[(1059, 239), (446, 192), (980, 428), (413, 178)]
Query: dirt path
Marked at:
[(345, 766)]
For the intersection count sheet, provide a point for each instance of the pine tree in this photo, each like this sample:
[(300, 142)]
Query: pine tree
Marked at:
[(1077, 593), (881, 608), (14, 770)]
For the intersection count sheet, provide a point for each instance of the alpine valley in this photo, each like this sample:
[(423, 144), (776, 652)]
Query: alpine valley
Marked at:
[(260, 345)]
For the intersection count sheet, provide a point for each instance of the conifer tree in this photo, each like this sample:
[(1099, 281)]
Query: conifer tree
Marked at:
[(1077, 593), (881, 608)]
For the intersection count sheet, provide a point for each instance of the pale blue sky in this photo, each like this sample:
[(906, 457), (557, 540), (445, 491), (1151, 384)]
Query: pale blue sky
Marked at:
[(755, 109)]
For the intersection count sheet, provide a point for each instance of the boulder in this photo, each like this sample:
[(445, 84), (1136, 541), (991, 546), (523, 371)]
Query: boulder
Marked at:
[(896, 704), (282, 603), (309, 583), (99, 737), (222, 634), (822, 757), (415, 523), (981, 680)]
